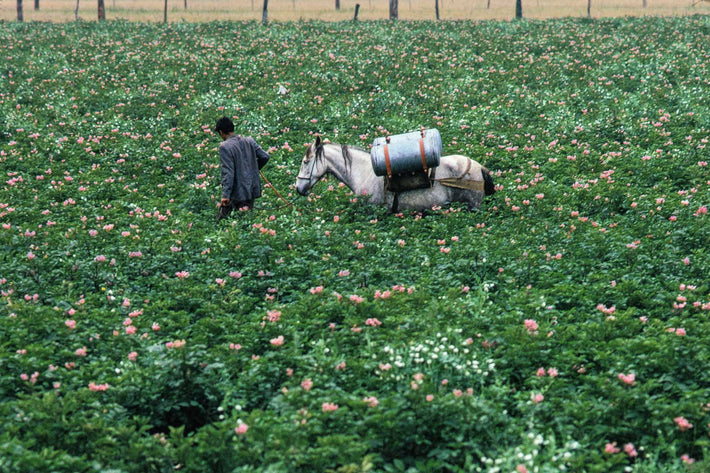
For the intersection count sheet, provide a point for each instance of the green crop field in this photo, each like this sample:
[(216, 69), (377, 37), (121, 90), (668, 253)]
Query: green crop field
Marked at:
[(562, 327)]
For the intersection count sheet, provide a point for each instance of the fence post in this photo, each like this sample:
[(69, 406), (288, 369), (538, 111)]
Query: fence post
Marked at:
[(265, 13), (357, 9), (394, 9)]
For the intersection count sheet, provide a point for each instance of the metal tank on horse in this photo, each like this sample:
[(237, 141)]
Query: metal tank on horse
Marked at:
[(407, 161)]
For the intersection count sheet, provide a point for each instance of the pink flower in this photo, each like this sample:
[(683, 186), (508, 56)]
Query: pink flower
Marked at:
[(521, 469), (606, 310), (344, 273), (329, 407), (686, 261), (70, 323), (610, 448), (628, 378), (98, 387), (630, 450), (356, 299), (316, 290), (80, 351), (220, 282), (373, 322), (278, 341), (429, 397), (685, 458), (132, 356), (537, 398), (241, 429), (176, 344), (307, 384), (530, 325), (683, 423), (371, 401), (273, 315), (540, 372), (182, 274), (30, 256), (235, 274), (100, 259)]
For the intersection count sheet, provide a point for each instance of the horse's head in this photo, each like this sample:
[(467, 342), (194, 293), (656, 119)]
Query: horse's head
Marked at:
[(312, 169)]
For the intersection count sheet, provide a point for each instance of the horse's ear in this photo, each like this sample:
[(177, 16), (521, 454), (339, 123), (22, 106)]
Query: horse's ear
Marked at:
[(317, 143)]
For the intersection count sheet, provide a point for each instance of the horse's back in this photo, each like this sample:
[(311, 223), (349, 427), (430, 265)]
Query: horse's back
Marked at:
[(455, 165)]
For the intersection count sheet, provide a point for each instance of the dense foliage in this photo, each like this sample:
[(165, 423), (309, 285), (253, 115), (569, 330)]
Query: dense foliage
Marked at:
[(561, 327)]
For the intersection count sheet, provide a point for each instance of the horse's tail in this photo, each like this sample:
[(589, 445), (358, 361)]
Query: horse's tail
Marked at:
[(488, 187)]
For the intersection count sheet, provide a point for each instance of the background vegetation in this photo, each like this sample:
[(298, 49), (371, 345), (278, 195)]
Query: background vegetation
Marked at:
[(325, 10)]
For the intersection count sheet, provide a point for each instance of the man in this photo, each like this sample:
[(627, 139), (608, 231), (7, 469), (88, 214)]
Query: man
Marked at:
[(241, 158)]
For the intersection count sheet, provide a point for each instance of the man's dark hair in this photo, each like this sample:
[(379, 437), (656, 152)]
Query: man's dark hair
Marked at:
[(224, 125)]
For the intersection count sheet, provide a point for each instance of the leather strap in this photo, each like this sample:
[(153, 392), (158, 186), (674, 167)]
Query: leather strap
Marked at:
[(387, 160), (421, 150)]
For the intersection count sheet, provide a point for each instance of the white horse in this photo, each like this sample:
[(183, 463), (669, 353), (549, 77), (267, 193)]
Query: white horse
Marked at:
[(457, 178)]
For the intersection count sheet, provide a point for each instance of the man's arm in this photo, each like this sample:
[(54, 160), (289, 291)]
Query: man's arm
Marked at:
[(262, 157)]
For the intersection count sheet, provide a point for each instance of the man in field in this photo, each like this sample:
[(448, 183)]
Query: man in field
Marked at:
[(240, 158)]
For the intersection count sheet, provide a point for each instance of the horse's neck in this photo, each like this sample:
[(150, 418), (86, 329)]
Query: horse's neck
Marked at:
[(357, 174)]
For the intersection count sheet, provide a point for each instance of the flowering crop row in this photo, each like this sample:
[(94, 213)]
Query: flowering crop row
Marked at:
[(563, 326)]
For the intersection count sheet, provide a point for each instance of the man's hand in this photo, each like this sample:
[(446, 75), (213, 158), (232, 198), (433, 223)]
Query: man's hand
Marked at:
[(225, 202)]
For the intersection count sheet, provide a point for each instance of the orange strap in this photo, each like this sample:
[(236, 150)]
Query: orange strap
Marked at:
[(387, 161), (421, 150)]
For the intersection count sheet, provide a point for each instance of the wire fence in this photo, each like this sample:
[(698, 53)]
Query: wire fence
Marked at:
[(340, 10)]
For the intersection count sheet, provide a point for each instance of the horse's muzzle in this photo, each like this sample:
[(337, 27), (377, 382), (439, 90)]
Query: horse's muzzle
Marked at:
[(303, 186)]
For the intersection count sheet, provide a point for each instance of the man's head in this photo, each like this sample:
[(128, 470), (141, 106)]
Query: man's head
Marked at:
[(224, 127)]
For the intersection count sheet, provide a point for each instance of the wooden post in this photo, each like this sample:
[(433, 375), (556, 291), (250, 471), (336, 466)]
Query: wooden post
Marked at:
[(357, 10), (36, 4), (20, 16), (165, 12), (436, 7), (394, 9), (76, 11), (518, 9), (337, 4), (265, 13), (102, 11), (589, 9)]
